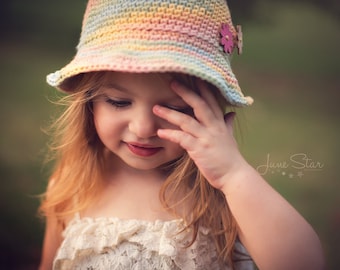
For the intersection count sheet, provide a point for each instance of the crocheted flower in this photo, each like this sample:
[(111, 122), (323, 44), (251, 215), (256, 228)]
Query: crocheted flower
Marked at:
[(239, 39), (227, 39)]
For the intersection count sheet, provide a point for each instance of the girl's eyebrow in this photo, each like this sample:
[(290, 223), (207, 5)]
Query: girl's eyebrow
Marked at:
[(113, 86)]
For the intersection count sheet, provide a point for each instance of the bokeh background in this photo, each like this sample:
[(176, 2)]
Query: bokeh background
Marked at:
[(290, 66)]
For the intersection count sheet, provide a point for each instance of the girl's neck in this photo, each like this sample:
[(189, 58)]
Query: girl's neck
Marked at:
[(129, 194), (117, 170)]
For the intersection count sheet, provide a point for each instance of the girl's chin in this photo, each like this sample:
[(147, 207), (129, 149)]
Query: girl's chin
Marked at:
[(163, 169), (148, 164)]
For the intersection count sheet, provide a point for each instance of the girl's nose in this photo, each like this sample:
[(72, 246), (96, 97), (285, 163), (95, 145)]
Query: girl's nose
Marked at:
[(144, 124)]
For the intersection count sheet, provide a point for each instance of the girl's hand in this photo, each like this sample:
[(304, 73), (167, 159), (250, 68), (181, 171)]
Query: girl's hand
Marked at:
[(208, 138)]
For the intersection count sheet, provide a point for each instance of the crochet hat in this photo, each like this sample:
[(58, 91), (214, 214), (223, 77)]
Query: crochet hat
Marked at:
[(183, 36)]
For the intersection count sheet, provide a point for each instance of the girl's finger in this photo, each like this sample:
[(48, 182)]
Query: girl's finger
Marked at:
[(202, 111), (208, 96), (185, 122), (185, 140)]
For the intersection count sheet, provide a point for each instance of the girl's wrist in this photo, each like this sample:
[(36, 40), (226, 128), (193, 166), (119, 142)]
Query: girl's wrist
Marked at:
[(234, 178)]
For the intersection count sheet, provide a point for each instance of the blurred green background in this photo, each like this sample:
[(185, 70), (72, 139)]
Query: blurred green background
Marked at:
[(290, 66)]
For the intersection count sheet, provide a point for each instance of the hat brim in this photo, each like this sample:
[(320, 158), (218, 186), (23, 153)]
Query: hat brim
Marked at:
[(136, 57)]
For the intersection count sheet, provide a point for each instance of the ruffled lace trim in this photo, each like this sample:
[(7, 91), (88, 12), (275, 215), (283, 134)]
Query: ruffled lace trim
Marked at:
[(94, 243)]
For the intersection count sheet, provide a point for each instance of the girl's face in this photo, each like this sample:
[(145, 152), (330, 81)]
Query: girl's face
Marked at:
[(125, 122)]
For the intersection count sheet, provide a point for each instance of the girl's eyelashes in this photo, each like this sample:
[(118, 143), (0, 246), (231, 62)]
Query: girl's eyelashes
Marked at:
[(117, 103)]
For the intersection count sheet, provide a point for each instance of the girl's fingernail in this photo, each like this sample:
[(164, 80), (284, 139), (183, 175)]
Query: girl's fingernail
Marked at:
[(229, 115), (177, 85), (158, 109), (174, 84), (160, 132)]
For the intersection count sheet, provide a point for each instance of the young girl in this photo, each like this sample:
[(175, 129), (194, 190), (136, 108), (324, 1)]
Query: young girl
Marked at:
[(148, 174)]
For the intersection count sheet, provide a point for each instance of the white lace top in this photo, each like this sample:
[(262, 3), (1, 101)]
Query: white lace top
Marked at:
[(112, 243)]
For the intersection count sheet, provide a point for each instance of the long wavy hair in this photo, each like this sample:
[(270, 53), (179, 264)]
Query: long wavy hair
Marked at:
[(79, 156)]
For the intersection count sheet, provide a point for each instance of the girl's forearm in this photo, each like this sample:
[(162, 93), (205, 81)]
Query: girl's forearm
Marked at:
[(275, 234)]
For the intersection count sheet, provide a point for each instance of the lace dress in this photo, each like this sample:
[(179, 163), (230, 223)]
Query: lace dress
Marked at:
[(112, 243)]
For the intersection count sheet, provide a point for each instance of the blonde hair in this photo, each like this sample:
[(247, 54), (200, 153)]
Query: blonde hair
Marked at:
[(79, 156)]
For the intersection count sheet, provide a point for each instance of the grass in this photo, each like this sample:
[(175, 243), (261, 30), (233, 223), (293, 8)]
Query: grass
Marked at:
[(290, 66)]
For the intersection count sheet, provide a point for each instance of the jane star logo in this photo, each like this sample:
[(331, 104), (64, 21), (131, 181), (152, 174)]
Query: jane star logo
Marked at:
[(294, 167)]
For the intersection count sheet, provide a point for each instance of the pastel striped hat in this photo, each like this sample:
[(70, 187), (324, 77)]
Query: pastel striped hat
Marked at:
[(182, 36)]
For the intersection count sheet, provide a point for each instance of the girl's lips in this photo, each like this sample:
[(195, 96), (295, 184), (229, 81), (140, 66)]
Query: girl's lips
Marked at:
[(143, 150)]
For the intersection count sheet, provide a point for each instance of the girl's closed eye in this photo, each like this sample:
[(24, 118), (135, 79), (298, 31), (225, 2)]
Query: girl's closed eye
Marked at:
[(118, 103)]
